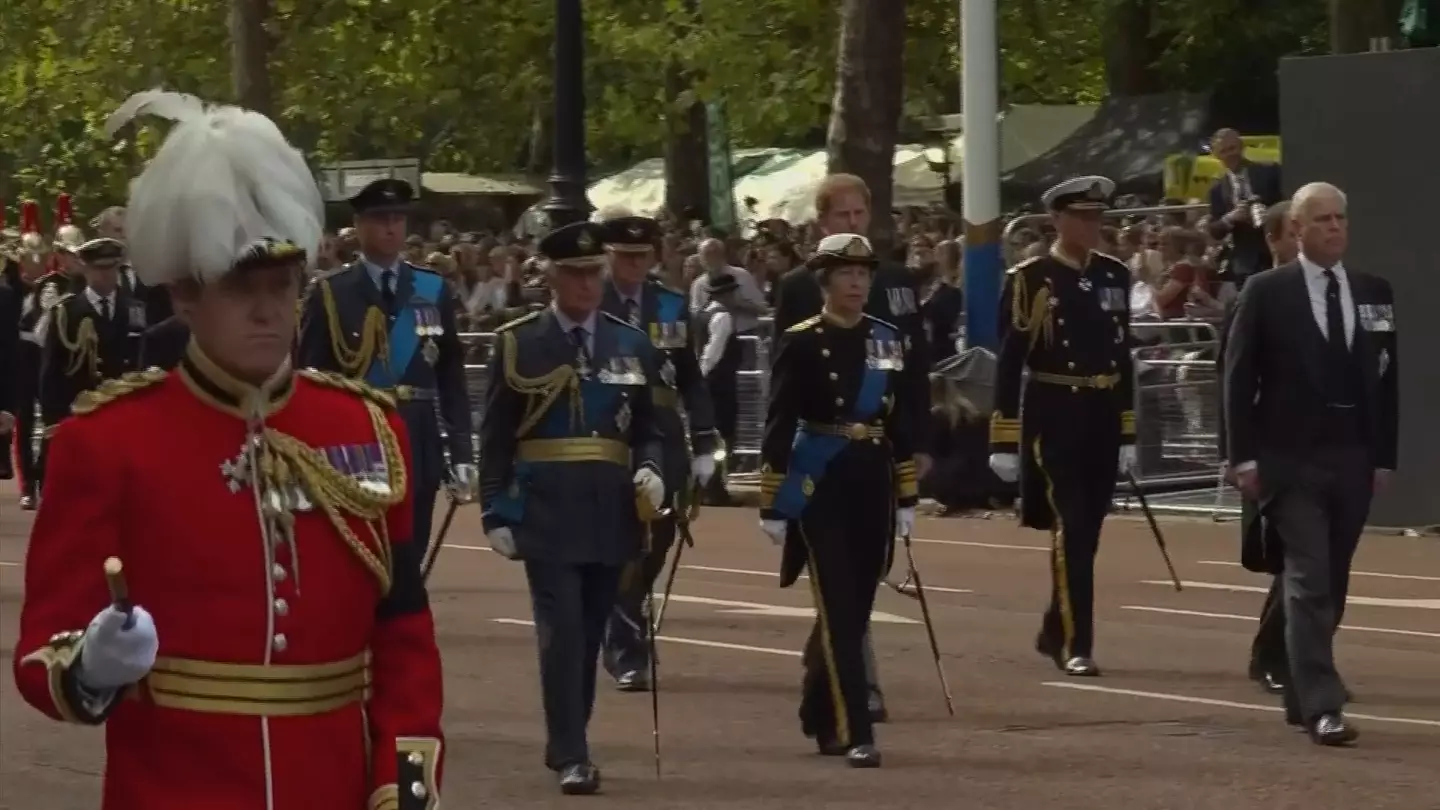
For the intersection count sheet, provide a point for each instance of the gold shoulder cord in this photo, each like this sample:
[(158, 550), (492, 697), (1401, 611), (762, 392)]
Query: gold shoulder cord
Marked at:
[(1037, 321), (84, 349), (111, 390), (373, 336), (542, 390), (286, 461)]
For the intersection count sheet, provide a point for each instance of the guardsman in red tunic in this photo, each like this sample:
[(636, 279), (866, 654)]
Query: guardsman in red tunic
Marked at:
[(269, 643)]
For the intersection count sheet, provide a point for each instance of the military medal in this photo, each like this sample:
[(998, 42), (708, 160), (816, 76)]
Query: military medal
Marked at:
[(1086, 285), (622, 416)]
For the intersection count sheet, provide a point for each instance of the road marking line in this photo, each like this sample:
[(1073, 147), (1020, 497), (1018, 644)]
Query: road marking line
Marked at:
[(1372, 601), (785, 611), (1202, 614), (697, 642), (772, 574), (976, 544), (1417, 577), (1227, 704)]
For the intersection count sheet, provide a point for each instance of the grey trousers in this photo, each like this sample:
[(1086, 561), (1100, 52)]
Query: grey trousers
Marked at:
[(1319, 509)]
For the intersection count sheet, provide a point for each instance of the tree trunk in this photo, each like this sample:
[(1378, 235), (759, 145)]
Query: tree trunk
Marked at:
[(687, 155), (869, 97), (1130, 49), (1353, 23), (250, 55)]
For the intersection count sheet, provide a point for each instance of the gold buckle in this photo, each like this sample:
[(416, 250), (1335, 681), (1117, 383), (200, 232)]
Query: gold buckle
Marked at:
[(858, 432)]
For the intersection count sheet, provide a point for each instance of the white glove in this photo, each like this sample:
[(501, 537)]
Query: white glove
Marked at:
[(650, 485), (113, 656), (776, 530), (464, 482), (1126, 461), (904, 521), (502, 542), (1006, 466), (703, 468)]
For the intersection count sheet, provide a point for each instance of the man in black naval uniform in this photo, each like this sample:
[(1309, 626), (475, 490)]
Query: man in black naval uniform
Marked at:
[(392, 324), (642, 301), (838, 482), (85, 336), (162, 345), (571, 463), (842, 205), (1065, 317)]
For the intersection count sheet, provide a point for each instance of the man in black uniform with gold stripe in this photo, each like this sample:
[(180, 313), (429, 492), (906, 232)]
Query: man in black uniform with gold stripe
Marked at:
[(1065, 317), (838, 482)]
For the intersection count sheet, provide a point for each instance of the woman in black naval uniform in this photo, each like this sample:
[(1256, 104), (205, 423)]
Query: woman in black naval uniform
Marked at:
[(838, 464)]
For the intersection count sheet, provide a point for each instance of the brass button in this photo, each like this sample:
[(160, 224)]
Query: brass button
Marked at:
[(1112, 364), (277, 572), (1070, 365), (416, 758), (1074, 389), (824, 352), (874, 441), (282, 608), (1060, 321), (1065, 342), (819, 330), (834, 376), (417, 789), (839, 401), (279, 642), (594, 434)]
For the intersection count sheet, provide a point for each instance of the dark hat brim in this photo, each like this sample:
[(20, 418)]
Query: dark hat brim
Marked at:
[(830, 261), (383, 208)]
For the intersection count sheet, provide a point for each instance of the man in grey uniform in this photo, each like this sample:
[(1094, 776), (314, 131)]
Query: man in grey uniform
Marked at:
[(570, 464), (1311, 411)]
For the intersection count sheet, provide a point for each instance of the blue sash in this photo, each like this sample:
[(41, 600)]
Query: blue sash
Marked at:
[(403, 338), (509, 505), (813, 452)]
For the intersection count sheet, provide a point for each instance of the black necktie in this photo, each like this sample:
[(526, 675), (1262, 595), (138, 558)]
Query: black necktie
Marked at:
[(632, 311), (105, 309), (387, 291), (577, 336), (1334, 320)]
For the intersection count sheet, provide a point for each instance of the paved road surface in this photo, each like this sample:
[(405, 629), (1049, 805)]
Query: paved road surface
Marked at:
[(1173, 725)]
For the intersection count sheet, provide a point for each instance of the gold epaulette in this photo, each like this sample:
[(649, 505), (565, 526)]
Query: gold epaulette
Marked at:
[(622, 321), (1115, 259), (511, 324), (359, 388), (111, 390), (805, 324)]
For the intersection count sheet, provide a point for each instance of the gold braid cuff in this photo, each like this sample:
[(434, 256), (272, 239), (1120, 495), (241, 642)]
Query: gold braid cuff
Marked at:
[(907, 484), (84, 349), (1127, 423), (374, 336), (542, 391), (1003, 430)]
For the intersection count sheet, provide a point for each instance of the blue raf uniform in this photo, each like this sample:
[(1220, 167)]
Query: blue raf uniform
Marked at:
[(663, 314), (392, 324), (571, 458)]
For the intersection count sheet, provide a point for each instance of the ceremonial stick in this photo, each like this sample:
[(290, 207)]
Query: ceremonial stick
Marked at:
[(686, 540), (654, 682), (929, 626), (432, 551), (1154, 529), (119, 593)]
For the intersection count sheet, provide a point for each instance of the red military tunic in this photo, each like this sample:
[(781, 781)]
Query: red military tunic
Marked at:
[(294, 673)]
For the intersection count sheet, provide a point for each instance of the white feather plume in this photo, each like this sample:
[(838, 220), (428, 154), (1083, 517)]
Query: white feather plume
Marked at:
[(157, 102), (224, 179)]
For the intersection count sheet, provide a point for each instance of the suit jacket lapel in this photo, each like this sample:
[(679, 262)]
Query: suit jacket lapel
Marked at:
[(1313, 353)]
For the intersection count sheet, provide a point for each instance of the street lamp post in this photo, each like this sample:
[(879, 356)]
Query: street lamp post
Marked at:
[(567, 202)]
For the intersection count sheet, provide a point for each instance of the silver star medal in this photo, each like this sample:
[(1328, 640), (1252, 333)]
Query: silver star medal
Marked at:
[(236, 472), (622, 417), (1086, 285)]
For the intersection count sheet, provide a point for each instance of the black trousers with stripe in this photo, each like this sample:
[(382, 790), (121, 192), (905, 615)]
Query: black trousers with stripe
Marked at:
[(848, 531), (1079, 467)]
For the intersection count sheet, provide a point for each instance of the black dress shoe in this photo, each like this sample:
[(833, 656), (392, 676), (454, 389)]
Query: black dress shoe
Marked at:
[(1082, 667), (27, 503), (580, 780), (863, 756), (1332, 728), (1271, 684), (633, 680), (876, 705), (1052, 648)]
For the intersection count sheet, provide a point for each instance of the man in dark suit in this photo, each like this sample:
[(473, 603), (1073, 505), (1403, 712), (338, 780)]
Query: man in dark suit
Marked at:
[(1267, 652), (162, 345), (572, 460), (1232, 200), (1311, 409), (392, 324), (842, 205)]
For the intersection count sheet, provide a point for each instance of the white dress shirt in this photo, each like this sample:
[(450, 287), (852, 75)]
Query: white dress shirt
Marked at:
[(97, 298), (376, 271), (722, 326), (1316, 283)]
